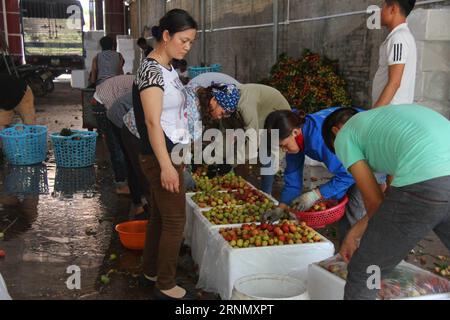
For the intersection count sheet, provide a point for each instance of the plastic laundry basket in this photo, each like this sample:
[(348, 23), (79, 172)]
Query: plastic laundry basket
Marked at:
[(216, 67), (24, 144), (195, 71), (75, 151)]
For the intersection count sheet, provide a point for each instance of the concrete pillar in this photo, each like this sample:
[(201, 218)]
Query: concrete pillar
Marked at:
[(134, 23), (99, 15), (114, 18), (11, 10)]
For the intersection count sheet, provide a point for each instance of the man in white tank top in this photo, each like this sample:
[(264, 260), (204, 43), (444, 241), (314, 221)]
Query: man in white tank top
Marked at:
[(107, 63)]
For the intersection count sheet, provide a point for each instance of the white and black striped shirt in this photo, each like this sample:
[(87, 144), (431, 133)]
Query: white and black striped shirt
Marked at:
[(174, 121)]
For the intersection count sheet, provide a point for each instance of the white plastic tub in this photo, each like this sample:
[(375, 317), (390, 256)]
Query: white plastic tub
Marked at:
[(269, 287)]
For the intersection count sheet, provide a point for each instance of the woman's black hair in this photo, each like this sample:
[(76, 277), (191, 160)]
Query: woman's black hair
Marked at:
[(204, 97), (285, 121), (106, 43), (336, 118), (176, 20)]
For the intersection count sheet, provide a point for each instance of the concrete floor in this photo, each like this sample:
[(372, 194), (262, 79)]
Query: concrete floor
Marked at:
[(66, 217)]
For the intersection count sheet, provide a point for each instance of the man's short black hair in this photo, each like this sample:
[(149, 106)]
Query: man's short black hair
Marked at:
[(405, 5), (142, 41), (106, 43), (338, 117)]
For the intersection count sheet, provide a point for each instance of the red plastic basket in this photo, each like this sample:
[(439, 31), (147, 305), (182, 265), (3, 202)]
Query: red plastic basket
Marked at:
[(320, 219)]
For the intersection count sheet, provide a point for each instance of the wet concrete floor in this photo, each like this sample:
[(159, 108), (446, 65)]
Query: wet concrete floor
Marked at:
[(57, 218)]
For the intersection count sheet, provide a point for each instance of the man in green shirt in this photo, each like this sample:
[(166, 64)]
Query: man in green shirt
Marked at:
[(411, 143)]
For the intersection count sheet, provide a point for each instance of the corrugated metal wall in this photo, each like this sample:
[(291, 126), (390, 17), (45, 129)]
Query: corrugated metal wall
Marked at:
[(247, 53)]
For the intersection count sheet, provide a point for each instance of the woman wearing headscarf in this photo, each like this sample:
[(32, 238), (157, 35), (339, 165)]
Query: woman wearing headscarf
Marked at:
[(243, 106)]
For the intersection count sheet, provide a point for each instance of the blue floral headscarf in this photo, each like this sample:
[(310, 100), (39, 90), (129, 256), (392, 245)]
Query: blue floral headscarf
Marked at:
[(227, 96)]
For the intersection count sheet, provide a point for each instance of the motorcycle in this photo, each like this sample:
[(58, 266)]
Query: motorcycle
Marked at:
[(39, 78)]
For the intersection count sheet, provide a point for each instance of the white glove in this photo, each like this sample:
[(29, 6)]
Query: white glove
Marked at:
[(306, 200), (189, 182), (273, 215)]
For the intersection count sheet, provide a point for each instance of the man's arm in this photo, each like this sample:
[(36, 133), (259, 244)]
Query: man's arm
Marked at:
[(372, 196), (337, 187), (368, 186), (152, 103), (93, 75), (122, 63), (293, 178), (394, 82)]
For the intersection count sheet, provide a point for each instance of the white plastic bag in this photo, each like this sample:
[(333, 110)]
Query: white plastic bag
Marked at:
[(4, 295)]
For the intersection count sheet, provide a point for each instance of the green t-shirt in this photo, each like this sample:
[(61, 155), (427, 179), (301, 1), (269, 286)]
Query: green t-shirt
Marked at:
[(409, 142)]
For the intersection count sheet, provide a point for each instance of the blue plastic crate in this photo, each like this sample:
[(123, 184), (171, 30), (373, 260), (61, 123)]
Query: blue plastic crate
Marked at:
[(75, 151), (216, 67), (195, 71), (24, 144)]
